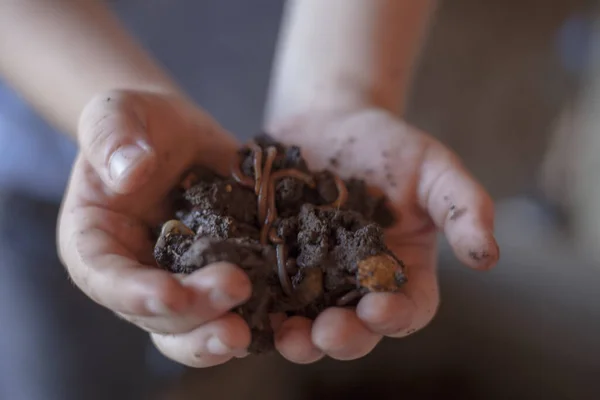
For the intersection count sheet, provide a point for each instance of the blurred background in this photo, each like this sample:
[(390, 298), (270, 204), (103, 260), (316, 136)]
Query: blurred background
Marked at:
[(511, 86)]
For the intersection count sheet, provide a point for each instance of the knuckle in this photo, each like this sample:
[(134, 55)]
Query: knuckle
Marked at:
[(427, 306), (167, 292), (165, 295)]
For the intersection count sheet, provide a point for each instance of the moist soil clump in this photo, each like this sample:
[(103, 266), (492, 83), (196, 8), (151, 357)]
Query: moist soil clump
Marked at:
[(308, 240)]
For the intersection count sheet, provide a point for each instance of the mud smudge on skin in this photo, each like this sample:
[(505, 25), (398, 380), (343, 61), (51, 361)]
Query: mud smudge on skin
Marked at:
[(479, 255)]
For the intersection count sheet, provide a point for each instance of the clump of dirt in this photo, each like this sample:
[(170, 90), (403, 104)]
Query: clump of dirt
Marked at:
[(307, 240)]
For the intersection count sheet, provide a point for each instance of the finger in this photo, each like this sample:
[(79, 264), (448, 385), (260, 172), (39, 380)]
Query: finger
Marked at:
[(460, 206), (421, 290), (215, 290), (341, 335), (293, 340), (213, 343), (386, 313), (113, 136), (106, 271)]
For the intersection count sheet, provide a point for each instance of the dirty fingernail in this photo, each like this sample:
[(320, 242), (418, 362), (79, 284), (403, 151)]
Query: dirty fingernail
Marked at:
[(216, 347), (124, 159)]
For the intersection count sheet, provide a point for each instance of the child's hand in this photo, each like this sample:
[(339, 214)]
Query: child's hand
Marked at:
[(134, 148), (429, 189)]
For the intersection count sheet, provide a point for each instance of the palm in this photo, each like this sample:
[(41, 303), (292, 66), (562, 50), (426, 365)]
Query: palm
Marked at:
[(424, 182)]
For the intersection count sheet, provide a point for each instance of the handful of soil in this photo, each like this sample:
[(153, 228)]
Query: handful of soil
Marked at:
[(307, 240)]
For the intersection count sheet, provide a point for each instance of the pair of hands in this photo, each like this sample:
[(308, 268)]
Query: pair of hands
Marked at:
[(135, 147)]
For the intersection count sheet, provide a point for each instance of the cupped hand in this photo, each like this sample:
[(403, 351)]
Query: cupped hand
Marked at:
[(429, 190), (134, 148)]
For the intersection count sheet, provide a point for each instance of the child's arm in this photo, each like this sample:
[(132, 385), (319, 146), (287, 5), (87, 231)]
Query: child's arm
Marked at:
[(58, 54), (344, 53)]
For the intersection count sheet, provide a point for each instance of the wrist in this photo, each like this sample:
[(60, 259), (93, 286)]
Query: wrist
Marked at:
[(333, 96), (333, 121)]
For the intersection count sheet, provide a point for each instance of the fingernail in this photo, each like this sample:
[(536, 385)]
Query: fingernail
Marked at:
[(177, 305), (125, 158), (225, 301), (216, 347), (233, 295)]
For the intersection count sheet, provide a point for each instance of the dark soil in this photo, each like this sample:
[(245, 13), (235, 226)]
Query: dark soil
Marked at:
[(307, 240)]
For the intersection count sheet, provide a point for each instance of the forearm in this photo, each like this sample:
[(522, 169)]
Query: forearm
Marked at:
[(345, 53), (58, 54)]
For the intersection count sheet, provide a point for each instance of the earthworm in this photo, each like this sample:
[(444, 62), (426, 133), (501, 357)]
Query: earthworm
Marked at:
[(238, 175), (243, 179), (271, 206), (280, 249), (277, 175), (264, 185), (284, 278), (258, 155), (342, 193), (267, 230), (293, 173), (273, 237), (240, 178), (263, 194), (348, 298)]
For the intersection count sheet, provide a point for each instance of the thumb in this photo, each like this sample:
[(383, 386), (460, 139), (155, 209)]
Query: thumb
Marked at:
[(113, 137)]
